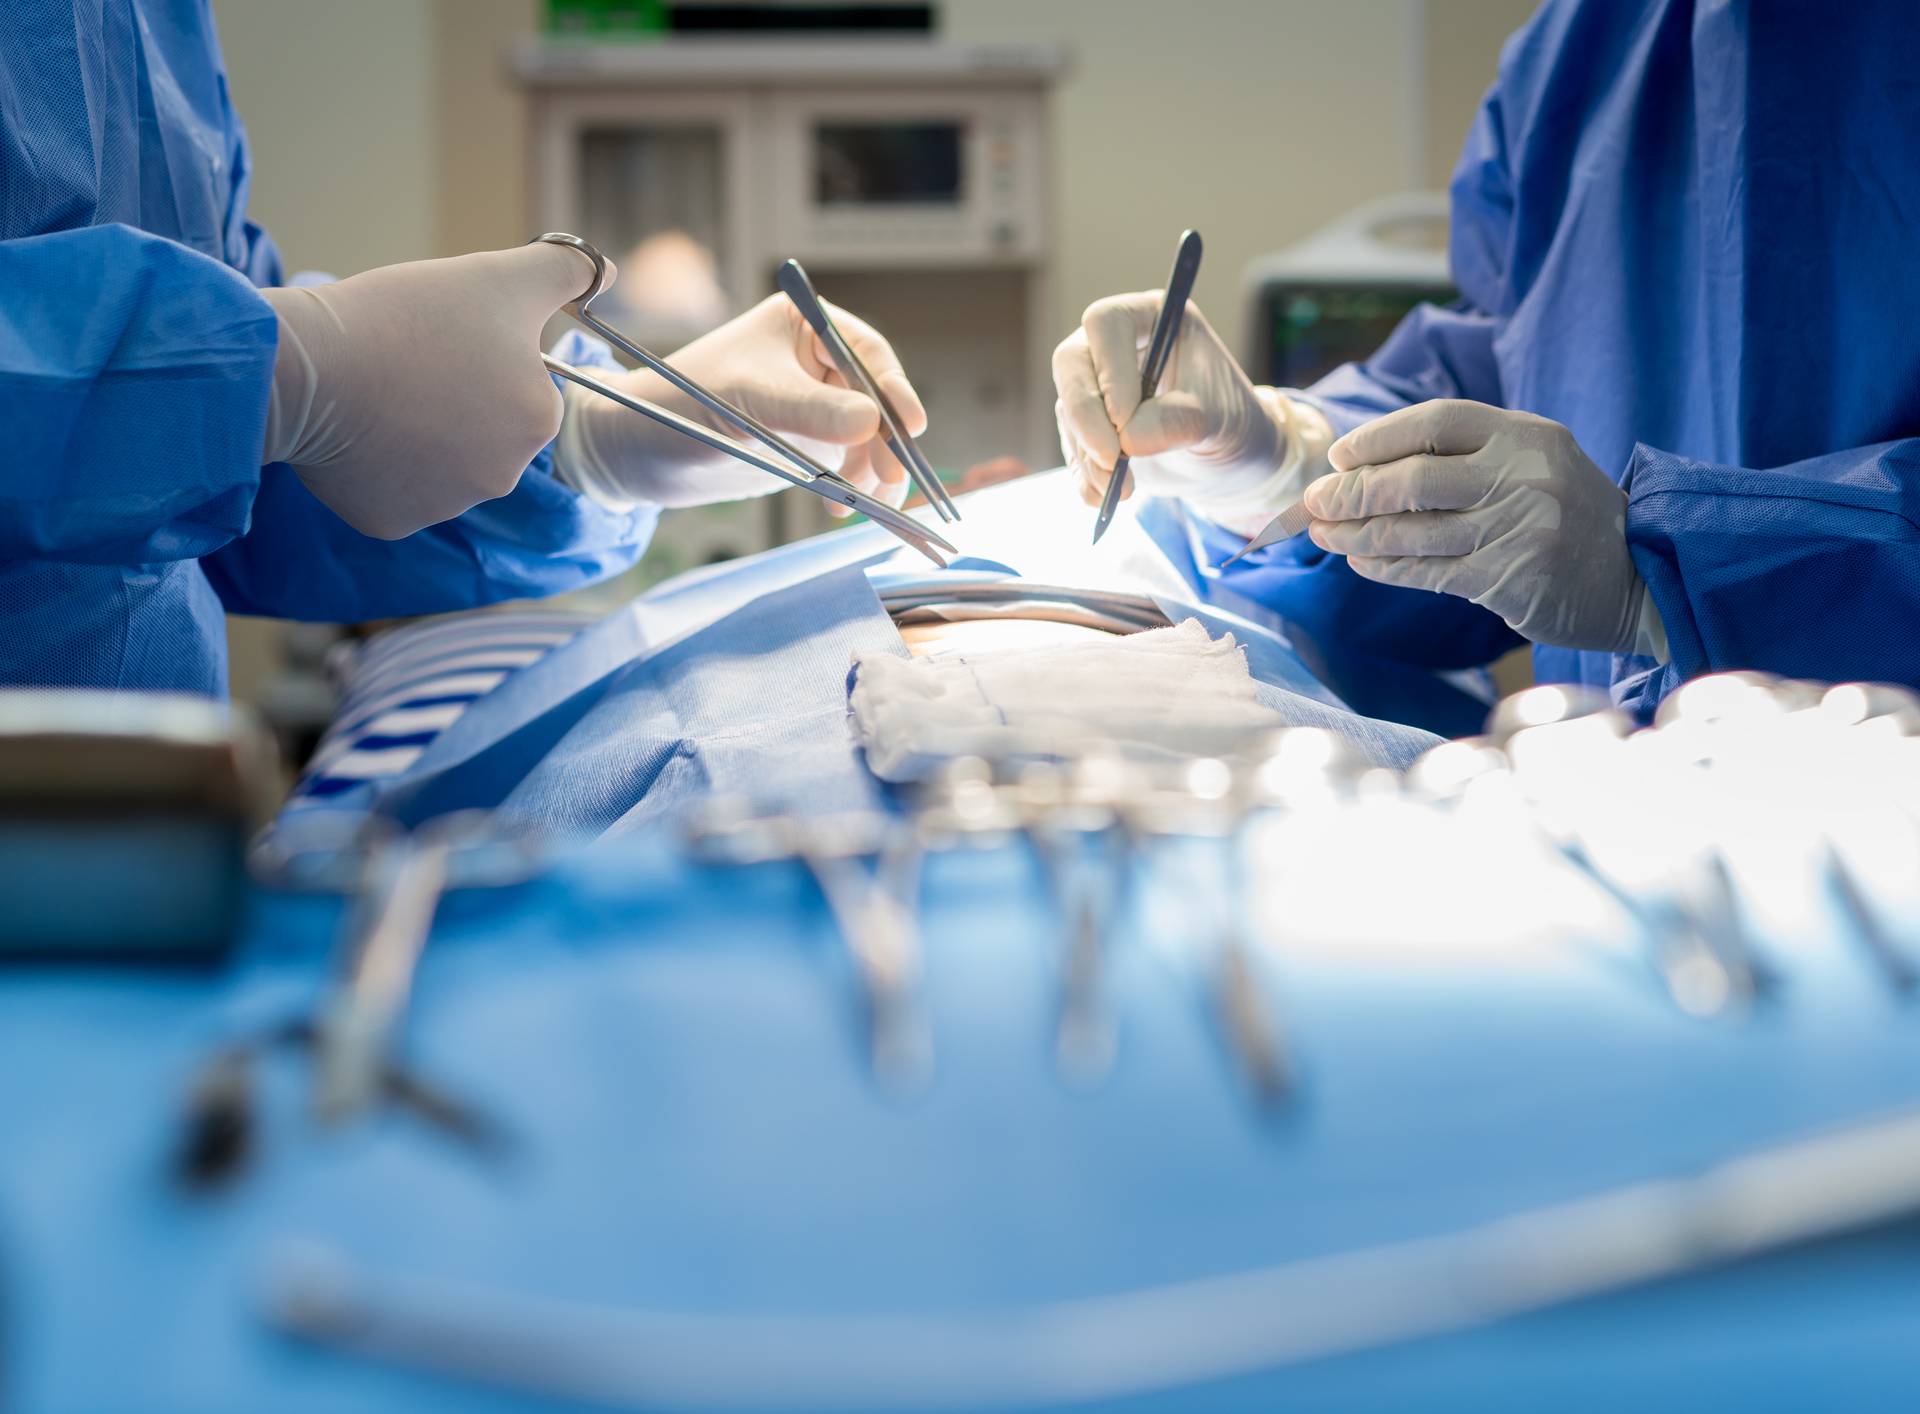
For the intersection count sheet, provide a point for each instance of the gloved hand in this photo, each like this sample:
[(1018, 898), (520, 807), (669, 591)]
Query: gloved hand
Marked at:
[(1499, 507), (407, 394), (1236, 453), (766, 362)]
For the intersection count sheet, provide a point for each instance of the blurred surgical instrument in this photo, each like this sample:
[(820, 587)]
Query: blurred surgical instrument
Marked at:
[(1166, 333), (1118, 1345), (867, 867), (356, 1026)]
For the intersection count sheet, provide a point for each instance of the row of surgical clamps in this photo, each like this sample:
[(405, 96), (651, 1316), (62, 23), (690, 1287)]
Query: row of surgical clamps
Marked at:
[(1654, 822)]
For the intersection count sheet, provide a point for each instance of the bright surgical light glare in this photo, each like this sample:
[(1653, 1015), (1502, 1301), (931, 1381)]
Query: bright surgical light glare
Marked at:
[(1846, 703), (1446, 770), (1303, 760), (1699, 986), (1538, 706), (1579, 746), (1209, 779)]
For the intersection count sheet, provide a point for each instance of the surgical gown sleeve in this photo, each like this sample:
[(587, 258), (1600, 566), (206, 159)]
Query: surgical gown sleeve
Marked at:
[(1810, 570), (1434, 353), (301, 561), (134, 375)]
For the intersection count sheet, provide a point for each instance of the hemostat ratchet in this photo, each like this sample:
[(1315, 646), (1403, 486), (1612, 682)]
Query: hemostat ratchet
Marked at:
[(791, 464)]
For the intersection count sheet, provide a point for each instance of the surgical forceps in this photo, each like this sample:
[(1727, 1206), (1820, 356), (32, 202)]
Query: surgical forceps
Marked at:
[(1166, 333), (800, 469), (799, 289)]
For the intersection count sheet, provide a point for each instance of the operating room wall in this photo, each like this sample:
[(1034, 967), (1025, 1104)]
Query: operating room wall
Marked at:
[(1254, 121), (338, 99)]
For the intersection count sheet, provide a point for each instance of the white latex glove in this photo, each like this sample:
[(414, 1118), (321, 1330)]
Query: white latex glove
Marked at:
[(1236, 453), (410, 393), (1499, 507), (766, 362)]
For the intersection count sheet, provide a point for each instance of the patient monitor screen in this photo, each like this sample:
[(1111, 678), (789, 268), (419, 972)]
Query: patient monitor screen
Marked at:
[(886, 164)]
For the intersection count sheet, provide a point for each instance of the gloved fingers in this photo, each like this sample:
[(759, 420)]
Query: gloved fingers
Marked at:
[(1080, 409), (1412, 533), (818, 410), (883, 363), (557, 408), (894, 486), (1117, 329), (1474, 576), (1073, 457), (891, 473), (1443, 427), (1418, 482), (1436, 573), (1168, 423)]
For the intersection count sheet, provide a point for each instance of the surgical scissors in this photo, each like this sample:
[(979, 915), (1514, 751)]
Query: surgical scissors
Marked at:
[(799, 289), (801, 470)]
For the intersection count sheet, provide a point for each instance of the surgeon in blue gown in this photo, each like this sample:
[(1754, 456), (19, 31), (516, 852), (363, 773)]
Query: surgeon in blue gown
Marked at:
[(185, 436), (1673, 424)]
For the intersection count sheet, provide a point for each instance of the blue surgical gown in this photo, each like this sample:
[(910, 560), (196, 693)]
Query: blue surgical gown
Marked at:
[(135, 360), (1690, 231)]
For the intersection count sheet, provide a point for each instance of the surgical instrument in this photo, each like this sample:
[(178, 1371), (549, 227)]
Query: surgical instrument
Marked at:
[(396, 881), (869, 885), (798, 288), (1199, 807), (1072, 825), (221, 1126), (1166, 333), (392, 919), (1285, 526), (1691, 924), (1787, 1194), (802, 470), (950, 597), (402, 880), (867, 868)]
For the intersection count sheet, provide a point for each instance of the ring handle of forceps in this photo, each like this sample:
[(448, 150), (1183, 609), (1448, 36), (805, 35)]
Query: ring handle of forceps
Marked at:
[(592, 253)]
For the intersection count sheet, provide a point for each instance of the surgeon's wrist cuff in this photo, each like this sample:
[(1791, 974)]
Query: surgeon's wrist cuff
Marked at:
[(291, 393), (577, 462), (1304, 436), (1649, 630)]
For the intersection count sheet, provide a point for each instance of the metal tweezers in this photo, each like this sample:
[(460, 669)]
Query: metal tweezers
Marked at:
[(798, 288), (799, 469)]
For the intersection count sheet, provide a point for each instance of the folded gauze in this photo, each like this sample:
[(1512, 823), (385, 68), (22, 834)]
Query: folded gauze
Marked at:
[(1165, 693)]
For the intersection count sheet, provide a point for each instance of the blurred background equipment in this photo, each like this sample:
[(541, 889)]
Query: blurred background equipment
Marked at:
[(649, 19), (1334, 297), (124, 821)]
